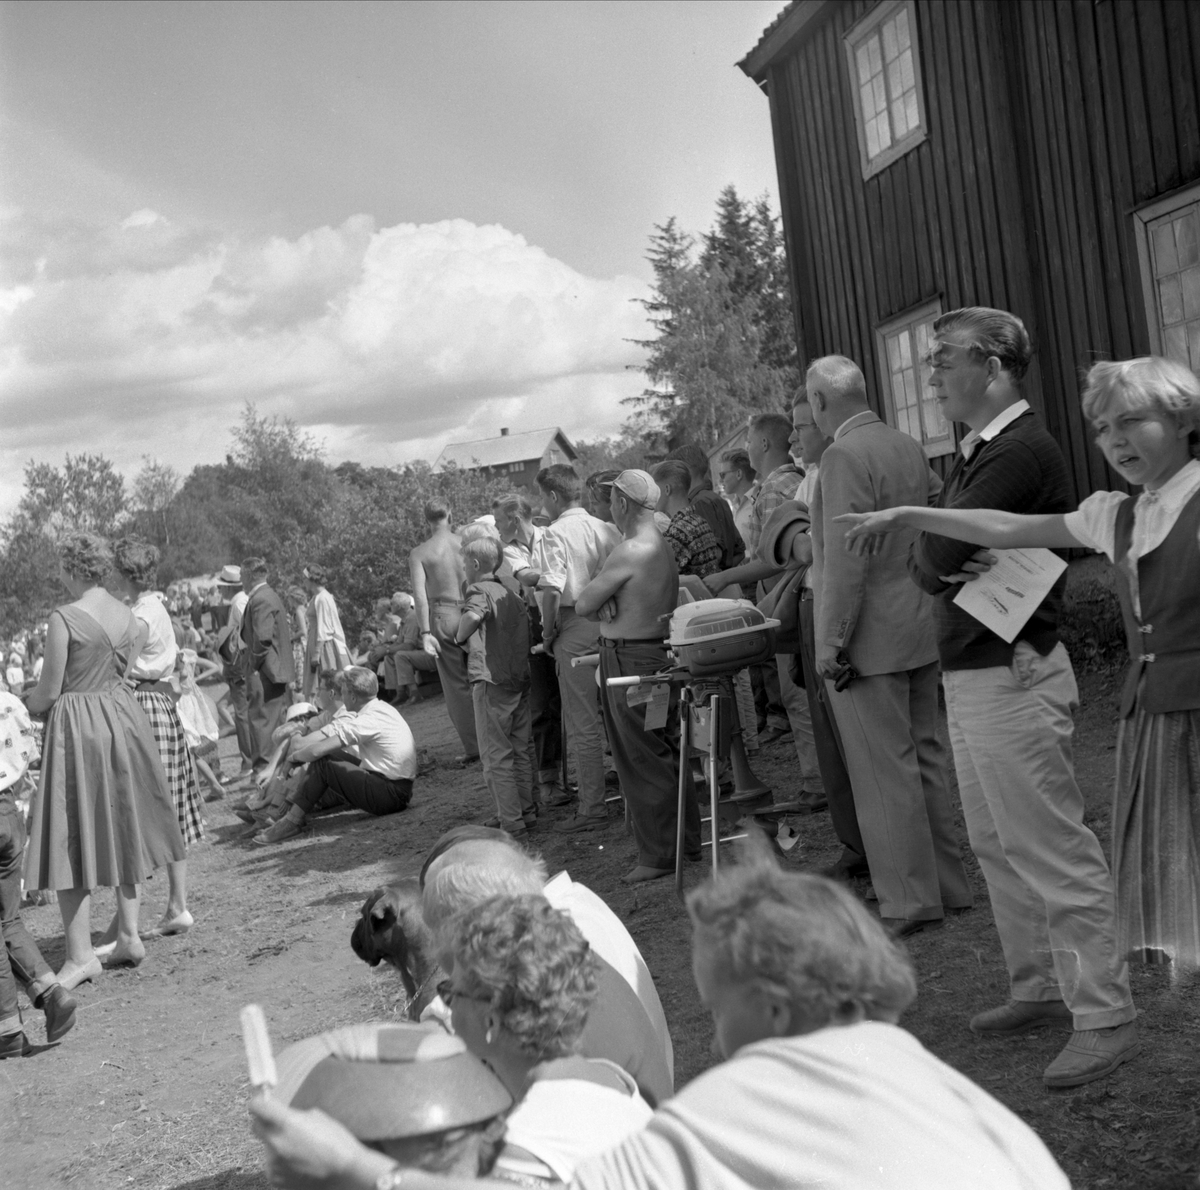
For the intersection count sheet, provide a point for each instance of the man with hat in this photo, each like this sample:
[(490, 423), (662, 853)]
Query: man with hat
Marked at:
[(229, 647), (266, 633), (633, 596)]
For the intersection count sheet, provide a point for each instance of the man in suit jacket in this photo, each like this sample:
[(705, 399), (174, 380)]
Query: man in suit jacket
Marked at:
[(870, 614), (266, 659)]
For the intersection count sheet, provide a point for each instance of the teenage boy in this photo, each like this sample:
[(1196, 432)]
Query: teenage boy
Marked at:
[(495, 628)]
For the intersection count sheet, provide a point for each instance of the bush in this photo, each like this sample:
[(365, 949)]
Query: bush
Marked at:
[(1091, 627)]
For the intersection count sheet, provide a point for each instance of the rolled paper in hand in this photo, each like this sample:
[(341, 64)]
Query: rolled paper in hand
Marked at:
[(258, 1048)]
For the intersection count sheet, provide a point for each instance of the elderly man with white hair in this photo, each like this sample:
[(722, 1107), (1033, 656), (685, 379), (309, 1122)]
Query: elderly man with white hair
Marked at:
[(626, 1023), (404, 652)]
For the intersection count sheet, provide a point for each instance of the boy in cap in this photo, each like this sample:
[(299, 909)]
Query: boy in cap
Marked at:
[(633, 597)]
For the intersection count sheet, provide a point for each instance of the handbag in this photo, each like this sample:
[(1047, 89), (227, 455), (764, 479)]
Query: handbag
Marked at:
[(782, 603)]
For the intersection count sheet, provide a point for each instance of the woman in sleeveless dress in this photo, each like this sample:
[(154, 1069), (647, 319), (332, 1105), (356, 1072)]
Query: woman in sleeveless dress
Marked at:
[(103, 815), (1146, 416)]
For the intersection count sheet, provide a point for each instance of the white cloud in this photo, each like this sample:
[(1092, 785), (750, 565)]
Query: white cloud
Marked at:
[(145, 337)]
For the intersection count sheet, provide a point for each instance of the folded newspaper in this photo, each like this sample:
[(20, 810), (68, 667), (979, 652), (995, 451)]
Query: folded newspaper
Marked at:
[(1006, 596)]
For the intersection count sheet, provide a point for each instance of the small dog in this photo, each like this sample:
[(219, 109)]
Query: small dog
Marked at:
[(391, 929)]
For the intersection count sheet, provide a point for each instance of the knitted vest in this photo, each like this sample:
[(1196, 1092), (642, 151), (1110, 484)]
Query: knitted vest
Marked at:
[(1164, 645)]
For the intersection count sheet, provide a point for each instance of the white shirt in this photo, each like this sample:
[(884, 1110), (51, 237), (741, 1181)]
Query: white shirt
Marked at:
[(1002, 419), (804, 495), (380, 738), (325, 613), (156, 661), (1094, 522), (851, 1107), (571, 552), (237, 607), (608, 937)]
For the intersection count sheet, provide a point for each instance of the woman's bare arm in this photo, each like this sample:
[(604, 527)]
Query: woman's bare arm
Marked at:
[(42, 697), (982, 526)]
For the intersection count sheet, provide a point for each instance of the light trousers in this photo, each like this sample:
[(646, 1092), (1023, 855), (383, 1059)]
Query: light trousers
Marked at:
[(1050, 888), (452, 670), (795, 700), (581, 707), (888, 724), (502, 725)]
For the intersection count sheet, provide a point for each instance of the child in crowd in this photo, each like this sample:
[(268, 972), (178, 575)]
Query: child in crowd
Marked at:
[(201, 727), (495, 627), (1146, 415)]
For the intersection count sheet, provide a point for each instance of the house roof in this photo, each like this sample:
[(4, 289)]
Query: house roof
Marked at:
[(505, 448), (779, 35)]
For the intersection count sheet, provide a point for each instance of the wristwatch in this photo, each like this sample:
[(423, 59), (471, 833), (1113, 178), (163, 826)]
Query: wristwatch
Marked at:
[(393, 1179)]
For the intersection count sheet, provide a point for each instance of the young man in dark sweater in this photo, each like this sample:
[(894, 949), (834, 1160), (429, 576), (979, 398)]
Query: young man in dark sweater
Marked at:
[(1010, 709)]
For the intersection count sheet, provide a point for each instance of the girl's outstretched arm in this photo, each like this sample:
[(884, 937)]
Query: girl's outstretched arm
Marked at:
[(981, 526)]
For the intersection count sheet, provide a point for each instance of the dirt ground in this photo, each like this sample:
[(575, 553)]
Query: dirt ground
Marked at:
[(149, 1089)]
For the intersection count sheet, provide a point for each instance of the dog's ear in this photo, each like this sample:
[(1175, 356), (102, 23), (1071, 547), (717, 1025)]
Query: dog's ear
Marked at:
[(381, 908)]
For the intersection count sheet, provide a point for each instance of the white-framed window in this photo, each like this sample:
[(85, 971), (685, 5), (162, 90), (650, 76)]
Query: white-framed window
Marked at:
[(885, 79), (513, 467), (903, 345), (1169, 251)]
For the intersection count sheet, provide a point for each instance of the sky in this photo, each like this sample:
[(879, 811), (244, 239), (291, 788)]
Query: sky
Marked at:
[(398, 224)]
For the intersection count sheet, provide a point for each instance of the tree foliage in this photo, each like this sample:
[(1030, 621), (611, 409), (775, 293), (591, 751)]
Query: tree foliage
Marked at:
[(724, 342)]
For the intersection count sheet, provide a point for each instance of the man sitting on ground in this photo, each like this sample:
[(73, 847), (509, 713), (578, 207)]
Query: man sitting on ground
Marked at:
[(365, 755)]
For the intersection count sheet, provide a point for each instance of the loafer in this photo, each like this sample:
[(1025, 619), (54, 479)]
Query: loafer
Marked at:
[(580, 822), (1092, 1054), (1018, 1016), (14, 1045), (277, 832), (59, 1008), (642, 873), (905, 927)]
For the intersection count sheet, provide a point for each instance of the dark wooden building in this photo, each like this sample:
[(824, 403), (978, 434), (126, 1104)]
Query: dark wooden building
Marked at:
[(1042, 156), (518, 457)]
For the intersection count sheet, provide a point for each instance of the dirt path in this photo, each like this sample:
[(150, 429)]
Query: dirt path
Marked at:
[(148, 1091)]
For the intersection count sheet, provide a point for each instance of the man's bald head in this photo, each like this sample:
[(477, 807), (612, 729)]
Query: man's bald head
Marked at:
[(473, 871), (837, 390)]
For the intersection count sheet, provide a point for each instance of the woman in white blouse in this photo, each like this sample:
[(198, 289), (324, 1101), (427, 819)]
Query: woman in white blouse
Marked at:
[(1146, 415)]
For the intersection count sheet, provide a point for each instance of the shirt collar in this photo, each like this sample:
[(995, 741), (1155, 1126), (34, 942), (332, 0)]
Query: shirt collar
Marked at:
[(575, 510), (1177, 490), (260, 583), (1002, 419)]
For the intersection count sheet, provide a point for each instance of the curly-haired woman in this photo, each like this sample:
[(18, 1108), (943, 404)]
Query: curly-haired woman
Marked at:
[(103, 816), (136, 564)]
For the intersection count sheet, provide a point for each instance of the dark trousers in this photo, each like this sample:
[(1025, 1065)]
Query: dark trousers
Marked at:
[(647, 761), (238, 701), (266, 703), (545, 709), (831, 759), (361, 788), (22, 963)]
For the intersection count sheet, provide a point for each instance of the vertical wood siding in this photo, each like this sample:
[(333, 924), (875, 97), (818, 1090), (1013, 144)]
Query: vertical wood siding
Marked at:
[(1049, 121)]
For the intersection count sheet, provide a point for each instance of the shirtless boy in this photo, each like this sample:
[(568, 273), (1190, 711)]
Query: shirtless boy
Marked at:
[(633, 596), (436, 566)]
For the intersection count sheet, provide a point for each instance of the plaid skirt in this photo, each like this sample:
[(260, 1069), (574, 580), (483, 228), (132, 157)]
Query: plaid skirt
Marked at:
[(176, 759), (1156, 835)]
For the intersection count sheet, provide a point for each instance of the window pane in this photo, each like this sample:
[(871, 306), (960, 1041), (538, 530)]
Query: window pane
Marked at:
[(895, 88), (867, 95), (875, 58), (911, 397), (902, 37), (899, 119), (936, 425), (883, 132), (905, 349), (890, 49), (1175, 343), (1165, 260), (863, 57), (1170, 297), (907, 78), (1191, 292), (1194, 345), (1186, 245), (893, 353), (910, 110), (873, 149), (880, 93)]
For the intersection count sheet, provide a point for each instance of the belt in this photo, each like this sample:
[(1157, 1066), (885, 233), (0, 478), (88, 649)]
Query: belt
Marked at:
[(448, 602), (157, 687), (619, 642)]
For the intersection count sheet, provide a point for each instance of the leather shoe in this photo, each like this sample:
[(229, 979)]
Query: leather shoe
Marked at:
[(59, 1008), (580, 822), (641, 874), (285, 828), (845, 869), (14, 1045), (555, 796), (1018, 1016), (1092, 1054), (904, 927)]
